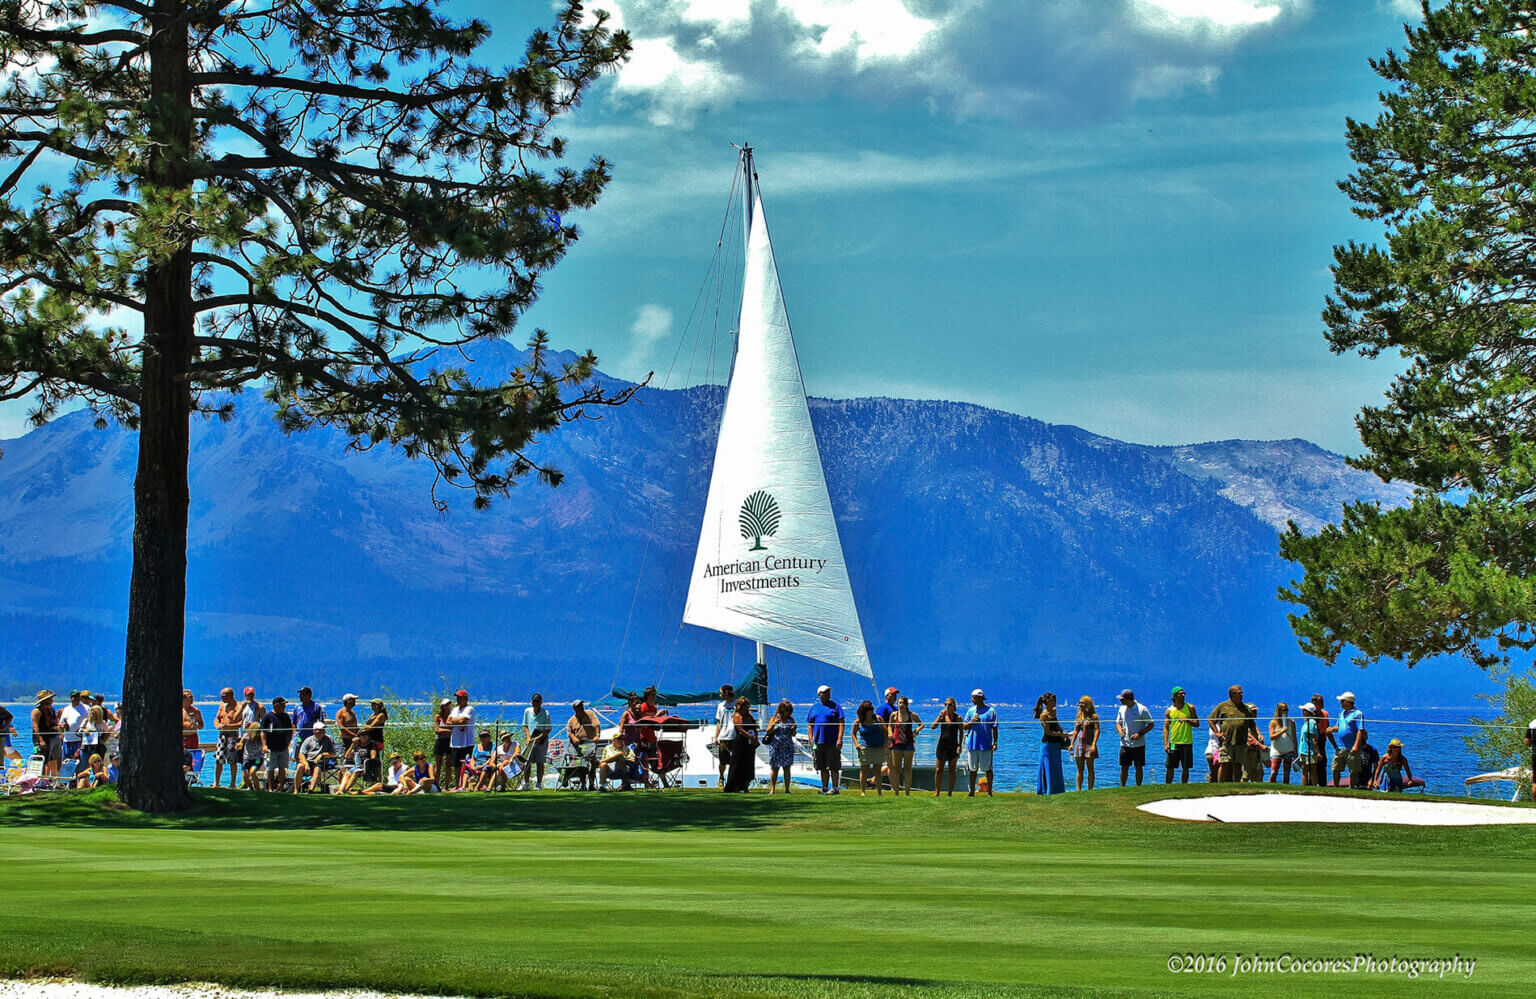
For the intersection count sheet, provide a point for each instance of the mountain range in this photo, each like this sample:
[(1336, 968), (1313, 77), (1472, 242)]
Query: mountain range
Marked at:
[(985, 548)]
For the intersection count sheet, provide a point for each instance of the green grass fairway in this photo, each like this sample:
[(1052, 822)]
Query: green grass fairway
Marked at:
[(699, 894)]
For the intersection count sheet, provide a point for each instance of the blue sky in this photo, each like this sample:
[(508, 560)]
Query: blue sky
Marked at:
[(1116, 214)]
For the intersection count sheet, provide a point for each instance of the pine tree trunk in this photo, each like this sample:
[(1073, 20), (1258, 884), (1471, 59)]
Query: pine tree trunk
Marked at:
[(151, 774)]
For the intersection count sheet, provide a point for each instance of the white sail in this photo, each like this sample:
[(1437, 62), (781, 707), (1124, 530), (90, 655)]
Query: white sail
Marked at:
[(770, 564)]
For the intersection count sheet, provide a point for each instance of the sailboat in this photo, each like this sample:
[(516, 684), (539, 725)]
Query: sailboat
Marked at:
[(769, 565)]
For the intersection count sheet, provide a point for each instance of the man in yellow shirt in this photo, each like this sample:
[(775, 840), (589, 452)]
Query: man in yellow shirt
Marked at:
[(1179, 736)]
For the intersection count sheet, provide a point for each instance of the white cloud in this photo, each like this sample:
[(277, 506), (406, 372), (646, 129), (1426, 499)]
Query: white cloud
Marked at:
[(869, 29), (1204, 15), (652, 325), (675, 85), (1061, 59)]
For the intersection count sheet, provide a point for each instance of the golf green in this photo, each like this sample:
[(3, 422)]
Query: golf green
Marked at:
[(698, 893)]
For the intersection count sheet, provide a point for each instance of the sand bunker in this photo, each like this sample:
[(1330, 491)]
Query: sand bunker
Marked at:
[(1337, 808), (59, 988)]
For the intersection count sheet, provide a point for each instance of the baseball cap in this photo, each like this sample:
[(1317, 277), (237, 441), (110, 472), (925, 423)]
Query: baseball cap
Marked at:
[(891, 690), (1308, 709), (305, 690), (348, 697), (250, 691), (445, 702), (823, 689), (578, 703), (978, 692), (461, 693), (1127, 692), (319, 726), (1346, 696), (279, 699), (74, 693), (1176, 690)]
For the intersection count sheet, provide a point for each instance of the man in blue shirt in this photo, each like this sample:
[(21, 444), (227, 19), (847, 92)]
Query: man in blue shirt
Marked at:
[(980, 739), (306, 713), (1351, 730), (825, 720)]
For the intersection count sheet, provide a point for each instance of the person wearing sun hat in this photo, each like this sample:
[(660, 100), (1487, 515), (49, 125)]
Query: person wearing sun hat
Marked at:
[(1391, 768), (1179, 721), (45, 732)]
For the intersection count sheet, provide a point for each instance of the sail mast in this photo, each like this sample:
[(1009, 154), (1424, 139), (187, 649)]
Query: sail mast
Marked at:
[(749, 180)]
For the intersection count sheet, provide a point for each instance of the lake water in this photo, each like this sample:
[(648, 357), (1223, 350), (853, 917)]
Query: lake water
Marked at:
[(1432, 741)]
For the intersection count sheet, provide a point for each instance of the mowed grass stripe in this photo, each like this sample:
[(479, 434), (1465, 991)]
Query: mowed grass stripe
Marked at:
[(1078, 896)]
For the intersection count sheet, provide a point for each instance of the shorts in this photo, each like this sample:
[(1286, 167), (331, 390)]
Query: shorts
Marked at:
[(1275, 757), (829, 756), (1181, 755), (1224, 754), (49, 748), (456, 757), (538, 752), (440, 746), (900, 754), (229, 750), (277, 759), (251, 758), (1133, 755), (947, 752), (977, 760), (1347, 761), (872, 756), (724, 748)]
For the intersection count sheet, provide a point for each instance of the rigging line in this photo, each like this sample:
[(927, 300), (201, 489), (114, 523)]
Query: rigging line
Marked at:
[(663, 659), (707, 650), (717, 265), (666, 382)]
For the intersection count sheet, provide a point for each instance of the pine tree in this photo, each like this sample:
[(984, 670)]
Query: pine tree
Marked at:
[(312, 197), (1449, 170)]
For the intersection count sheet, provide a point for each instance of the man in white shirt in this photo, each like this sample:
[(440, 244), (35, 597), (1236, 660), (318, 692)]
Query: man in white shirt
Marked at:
[(725, 728), (1133, 721), (71, 721), (461, 738)]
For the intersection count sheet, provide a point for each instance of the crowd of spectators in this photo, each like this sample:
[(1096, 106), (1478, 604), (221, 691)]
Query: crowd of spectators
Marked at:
[(300, 747)]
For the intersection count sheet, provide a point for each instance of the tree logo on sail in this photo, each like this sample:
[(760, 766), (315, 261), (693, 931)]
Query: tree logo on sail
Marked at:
[(759, 518)]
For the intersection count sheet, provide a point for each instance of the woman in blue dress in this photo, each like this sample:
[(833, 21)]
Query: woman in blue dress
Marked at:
[(780, 739), (1052, 739)]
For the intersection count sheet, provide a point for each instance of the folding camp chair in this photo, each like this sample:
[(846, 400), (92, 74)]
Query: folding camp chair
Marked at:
[(192, 761)]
